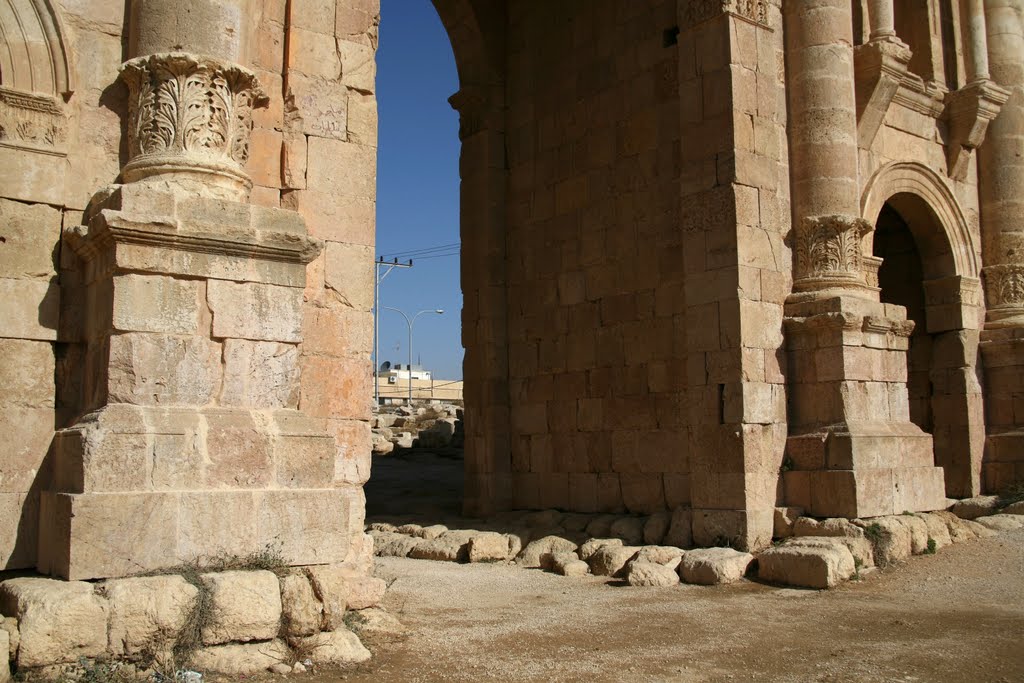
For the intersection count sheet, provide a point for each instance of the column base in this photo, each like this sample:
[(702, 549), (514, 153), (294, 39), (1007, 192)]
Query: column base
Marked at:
[(140, 488), (749, 530), (865, 469), (1003, 466)]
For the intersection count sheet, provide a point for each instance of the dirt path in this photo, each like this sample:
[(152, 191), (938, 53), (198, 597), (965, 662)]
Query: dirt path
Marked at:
[(954, 616)]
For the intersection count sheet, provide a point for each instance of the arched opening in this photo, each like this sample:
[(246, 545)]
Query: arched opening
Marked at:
[(919, 272), (433, 208), (901, 279)]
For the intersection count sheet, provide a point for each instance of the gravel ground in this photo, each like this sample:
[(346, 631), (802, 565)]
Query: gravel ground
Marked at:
[(954, 616)]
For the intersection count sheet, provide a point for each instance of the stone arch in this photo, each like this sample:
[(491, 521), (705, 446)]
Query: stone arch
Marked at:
[(35, 58), (953, 249), (945, 343)]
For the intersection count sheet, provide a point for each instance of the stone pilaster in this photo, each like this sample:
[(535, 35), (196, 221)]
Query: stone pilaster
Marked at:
[(1001, 191), (852, 450)]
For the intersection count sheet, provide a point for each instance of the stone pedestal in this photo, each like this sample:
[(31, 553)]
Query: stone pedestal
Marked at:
[(1002, 352), (191, 443), (852, 450)]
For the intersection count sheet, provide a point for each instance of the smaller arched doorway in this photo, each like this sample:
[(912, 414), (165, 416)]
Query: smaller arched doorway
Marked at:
[(930, 267)]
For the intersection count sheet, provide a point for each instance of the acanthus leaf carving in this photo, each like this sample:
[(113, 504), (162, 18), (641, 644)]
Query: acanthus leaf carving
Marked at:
[(829, 252), (186, 111), (1004, 285), (694, 12)]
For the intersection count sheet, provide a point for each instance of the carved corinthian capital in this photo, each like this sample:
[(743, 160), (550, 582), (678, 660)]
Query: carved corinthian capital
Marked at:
[(828, 254), (1004, 292), (189, 121)]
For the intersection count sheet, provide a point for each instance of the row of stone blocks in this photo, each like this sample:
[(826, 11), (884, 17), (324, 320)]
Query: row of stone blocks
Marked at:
[(245, 621), (808, 553)]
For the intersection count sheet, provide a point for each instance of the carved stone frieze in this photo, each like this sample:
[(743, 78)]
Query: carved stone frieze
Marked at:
[(693, 12), (829, 253), (187, 115), (31, 120)]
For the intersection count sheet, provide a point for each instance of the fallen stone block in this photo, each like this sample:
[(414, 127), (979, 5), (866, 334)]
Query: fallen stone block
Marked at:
[(301, 611), (374, 622), (1000, 522), (241, 659), (861, 548), (665, 555), (1013, 508), (541, 552), (937, 529), (784, 519), (918, 529), (568, 564), (656, 528), (629, 529), (246, 606), (58, 621), (10, 626), (442, 549), (833, 526), (713, 566), (680, 529), (147, 613), (488, 546), (587, 550), (611, 560), (973, 508), (889, 537), (821, 565), (601, 526), (335, 647), (5, 665), (387, 544), (543, 519), (576, 521), (640, 573), (979, 530)]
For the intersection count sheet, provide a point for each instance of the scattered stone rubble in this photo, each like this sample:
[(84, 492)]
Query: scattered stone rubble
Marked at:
[(437, 426), (656, 550), (245, 622)]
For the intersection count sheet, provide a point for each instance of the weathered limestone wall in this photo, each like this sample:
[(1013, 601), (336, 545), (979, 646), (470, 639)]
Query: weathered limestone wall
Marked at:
[(60, 112), (66, 141), (596, 319)]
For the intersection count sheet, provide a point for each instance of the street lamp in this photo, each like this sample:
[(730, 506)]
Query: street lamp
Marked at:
[(410, 322)]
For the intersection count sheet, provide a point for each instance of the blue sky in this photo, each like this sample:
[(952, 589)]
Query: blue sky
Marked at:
[(418, 185)]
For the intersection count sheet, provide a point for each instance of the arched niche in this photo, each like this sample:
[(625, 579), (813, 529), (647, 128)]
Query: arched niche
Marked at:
[(952, 250), (35, 56)]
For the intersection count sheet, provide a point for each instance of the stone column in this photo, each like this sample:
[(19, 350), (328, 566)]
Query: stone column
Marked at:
[(852, 450), (882, 19), (191, 442), (976, 52), (190, 100), (1001, 189)]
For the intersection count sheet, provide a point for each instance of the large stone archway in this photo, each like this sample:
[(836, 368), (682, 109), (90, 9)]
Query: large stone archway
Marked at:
[(951, 319)]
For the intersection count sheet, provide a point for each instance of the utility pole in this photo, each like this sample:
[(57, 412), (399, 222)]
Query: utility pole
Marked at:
[(410, 322), (379, 278)]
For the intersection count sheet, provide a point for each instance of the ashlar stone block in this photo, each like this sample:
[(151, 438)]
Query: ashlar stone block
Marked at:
[(246, 606), (155, 303), (260, 374), (147, 613), (255, 311), (163, 369), (58, 621)]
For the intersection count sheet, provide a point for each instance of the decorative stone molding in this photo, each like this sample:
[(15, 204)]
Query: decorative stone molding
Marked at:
[(879, 68), (968, 113), (477, 109), (1004, 290), (188, 116), (698, 11), (31, 121), (829, 253)]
